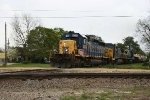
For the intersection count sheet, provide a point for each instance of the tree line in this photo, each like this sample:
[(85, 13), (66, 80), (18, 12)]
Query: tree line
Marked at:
[(130, 44), (33, 41)]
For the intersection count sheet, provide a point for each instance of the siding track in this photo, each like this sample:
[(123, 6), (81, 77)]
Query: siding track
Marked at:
[(58, 73)]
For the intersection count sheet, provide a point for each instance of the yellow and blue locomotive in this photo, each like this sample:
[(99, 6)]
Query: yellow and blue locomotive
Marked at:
[(75, 50)]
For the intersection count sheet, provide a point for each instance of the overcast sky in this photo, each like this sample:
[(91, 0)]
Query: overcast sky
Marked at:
[(82, 16)]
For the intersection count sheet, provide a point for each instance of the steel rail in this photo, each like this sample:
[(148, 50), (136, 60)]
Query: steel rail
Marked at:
[(50, 75)]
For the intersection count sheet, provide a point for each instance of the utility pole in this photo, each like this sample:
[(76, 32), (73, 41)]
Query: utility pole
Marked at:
[(5, 44)]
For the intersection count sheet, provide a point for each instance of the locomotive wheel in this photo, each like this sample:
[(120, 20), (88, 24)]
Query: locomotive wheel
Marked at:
[(91, 65), (55, 65), (79, 63), (52, 64), (67, 65)]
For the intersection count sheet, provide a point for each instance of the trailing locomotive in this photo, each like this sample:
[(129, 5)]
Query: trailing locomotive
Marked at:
[(75, 50)]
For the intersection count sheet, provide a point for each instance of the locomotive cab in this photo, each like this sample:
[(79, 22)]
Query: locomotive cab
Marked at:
[(74, 36)]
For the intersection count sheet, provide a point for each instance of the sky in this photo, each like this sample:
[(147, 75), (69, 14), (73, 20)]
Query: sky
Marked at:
[(96, 17)]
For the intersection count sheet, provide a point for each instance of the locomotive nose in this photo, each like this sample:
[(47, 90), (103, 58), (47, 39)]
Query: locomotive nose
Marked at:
[(65, 44), (65, 48)]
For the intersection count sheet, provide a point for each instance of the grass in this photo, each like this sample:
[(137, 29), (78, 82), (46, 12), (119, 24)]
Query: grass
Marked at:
[(141, 90), (91, 96), (126, 66), (110, 94), (84, 97), (28, 65)]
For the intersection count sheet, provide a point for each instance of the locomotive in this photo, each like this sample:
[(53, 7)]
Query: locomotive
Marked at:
[(75, 50)]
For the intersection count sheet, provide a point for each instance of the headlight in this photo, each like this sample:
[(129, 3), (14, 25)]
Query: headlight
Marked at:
[(66, 50)]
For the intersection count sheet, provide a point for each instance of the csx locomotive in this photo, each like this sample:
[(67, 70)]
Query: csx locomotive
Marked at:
[(75, 50)]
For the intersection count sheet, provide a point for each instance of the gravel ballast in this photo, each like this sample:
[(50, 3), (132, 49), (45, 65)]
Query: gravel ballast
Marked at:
[(53, 89)]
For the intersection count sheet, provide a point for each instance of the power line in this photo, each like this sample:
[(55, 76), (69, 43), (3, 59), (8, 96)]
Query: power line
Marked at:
[(48, 10), (29, 10), (111, 16), (39, 17), (65, 17), (68, 17)]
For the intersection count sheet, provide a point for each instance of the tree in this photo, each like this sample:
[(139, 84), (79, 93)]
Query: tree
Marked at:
[(12, 54), (1, 50), (121, 46), (131, 44), (59, 31), (40, 41), (143, 28), (22, 27)]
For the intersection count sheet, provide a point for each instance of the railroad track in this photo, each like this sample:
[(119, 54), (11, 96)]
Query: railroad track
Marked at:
[(57, 73)]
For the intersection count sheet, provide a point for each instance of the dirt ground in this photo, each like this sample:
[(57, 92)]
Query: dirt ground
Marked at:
[(78, 70), (79, 88)]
